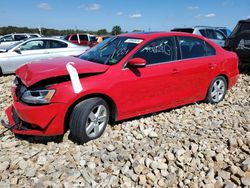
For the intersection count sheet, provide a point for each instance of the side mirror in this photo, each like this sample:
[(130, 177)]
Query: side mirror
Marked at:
[(18, 50), (137, 62)]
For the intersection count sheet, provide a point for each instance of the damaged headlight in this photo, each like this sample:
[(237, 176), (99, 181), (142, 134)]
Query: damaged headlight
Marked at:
[(38, 96)]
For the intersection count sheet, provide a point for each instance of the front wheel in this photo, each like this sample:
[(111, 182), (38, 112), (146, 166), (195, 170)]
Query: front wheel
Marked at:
[(89, 119), (217, 90)]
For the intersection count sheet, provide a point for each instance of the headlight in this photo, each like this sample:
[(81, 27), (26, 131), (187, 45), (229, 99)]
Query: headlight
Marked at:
[(38, 96)]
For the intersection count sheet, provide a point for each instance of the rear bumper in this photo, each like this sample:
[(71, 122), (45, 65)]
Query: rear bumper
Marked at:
[(46, 120)]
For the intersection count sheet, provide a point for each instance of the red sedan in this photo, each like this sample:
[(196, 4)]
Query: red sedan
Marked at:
[(123, 77)]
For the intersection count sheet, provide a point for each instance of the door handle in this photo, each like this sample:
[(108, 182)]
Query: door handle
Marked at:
[(46, 52), (211, 65), (175, 71)]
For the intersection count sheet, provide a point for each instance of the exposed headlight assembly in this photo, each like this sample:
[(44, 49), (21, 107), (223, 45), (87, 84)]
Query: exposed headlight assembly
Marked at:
[(42, 96)]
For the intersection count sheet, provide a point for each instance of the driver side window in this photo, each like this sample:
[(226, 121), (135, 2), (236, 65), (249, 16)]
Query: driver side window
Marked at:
[(32, 45), (158, 51)]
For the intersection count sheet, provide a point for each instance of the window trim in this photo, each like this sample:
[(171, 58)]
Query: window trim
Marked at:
[(57, 41), (29, 42), (124, 67), (205, 44)]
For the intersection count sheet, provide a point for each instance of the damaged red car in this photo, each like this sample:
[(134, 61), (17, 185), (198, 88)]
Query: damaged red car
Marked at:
[(125, 76)]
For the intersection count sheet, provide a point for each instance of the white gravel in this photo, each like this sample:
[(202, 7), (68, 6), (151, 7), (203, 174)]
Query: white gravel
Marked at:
[(198, 145)]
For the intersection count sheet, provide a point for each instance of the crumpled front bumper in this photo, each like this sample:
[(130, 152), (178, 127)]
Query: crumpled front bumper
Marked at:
[(44, 120)]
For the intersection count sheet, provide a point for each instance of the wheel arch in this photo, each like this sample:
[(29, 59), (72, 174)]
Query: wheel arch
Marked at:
[(109, 100), (226, 77), (223, 75)]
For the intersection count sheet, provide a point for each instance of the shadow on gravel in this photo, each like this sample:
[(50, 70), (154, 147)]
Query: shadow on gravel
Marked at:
[(244, 68), (113, 124), (40, 139)]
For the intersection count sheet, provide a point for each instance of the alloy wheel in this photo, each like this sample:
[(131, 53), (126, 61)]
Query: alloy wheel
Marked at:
[(96, 121), (218, 90)]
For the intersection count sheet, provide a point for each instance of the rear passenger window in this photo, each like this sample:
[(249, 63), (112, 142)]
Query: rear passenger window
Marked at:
[(210, 50), (83, 37), (158, 51), (193, 47), (58, 44)]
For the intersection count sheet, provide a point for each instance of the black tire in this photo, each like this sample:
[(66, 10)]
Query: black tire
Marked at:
[(1, 72), (80, 120), (220, 91)]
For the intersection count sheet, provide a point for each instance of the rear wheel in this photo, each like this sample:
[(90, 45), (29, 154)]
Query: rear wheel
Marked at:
[(89, 119), (217, 90)]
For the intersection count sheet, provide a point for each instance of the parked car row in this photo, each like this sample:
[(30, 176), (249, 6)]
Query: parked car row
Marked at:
[(86, 39), (239, 41), (35, 49), (10, 39), (19, 48), (13, 54), (215, 34), (82, 39)]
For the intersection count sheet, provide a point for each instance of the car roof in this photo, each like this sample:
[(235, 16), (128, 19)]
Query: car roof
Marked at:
[(151, 35), (245, 21), (45, 38), (199, 26), (49, 38)]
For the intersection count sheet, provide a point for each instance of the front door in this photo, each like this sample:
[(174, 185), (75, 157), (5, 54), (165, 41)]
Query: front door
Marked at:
[(150, 88)]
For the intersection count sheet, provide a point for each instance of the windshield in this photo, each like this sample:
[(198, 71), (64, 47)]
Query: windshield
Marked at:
[(13, 45), (111, 51)]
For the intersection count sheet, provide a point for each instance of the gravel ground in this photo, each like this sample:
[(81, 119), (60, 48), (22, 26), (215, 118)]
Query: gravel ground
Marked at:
[(199, 145)]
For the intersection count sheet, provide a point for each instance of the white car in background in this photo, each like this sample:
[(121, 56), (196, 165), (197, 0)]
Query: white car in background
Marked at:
[(36, 49), (10, 39), (212, 33)]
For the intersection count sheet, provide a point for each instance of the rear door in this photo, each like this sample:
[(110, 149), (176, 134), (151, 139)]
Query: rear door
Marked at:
[(84, 40), (57, 48), (74, 39), (196, 65)]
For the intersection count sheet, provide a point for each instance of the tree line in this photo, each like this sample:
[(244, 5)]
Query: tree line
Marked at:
[(116, 30)]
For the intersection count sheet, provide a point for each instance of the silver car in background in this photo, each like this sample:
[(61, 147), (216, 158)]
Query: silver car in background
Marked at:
[(36, 49), (212, 33), (10, 39)]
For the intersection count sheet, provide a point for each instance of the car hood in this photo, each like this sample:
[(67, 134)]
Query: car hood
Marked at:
[(31, 73)]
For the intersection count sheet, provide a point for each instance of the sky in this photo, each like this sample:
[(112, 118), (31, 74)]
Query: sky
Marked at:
[(147, 15)]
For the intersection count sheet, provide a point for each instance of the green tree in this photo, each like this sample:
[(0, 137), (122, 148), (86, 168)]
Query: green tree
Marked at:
[(102, 32), (116, 30)]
